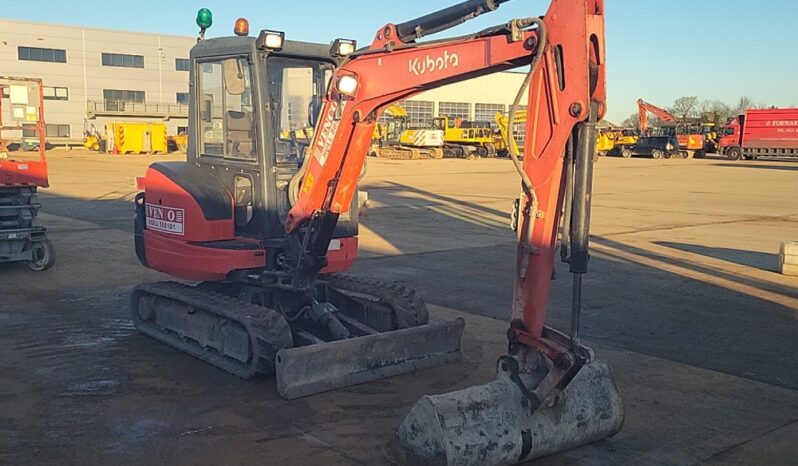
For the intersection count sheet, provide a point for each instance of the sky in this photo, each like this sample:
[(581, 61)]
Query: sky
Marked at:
[(713, 49)]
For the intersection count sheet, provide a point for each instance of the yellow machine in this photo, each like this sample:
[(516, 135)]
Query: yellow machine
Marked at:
[(137, 138), (393, 139), (465, 139), (624, 140), (605, 142), (178, 143), (504, 133), (91, 142)]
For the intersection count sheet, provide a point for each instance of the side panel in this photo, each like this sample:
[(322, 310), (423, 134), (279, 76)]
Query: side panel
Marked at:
[(191, 261), (184, 206), (341, 255), (18, 172), (691, 141), (772, 128)]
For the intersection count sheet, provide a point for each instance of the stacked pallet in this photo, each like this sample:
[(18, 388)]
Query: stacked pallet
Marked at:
[(788, 258)]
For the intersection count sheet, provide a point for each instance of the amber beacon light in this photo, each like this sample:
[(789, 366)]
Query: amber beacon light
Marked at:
[(242, 27)]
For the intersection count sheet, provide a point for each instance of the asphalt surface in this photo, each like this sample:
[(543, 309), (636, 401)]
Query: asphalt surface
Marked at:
[(683, 298)]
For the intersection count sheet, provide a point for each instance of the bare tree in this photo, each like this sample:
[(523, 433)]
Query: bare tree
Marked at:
[(685, 107), (715, 111), (742, 105), (632, 122)]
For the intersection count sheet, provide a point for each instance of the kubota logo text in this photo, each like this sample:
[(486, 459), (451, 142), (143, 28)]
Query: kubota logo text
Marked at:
[(419, 66)]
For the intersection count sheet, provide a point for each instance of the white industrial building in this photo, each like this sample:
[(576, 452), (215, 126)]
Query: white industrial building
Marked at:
[(94, 76)]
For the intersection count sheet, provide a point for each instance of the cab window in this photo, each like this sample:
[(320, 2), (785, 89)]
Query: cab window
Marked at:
[(296, 89), (226, 113)]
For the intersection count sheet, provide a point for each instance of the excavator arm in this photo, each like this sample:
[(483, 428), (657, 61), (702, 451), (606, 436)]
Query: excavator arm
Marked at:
[(643, 108), (564, 51), (566, 88)]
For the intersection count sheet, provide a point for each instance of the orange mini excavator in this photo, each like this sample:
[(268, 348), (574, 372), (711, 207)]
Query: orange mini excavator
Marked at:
[(263, 217)]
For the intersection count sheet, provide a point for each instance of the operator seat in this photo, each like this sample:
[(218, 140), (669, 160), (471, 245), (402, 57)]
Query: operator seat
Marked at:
[(240, 134)]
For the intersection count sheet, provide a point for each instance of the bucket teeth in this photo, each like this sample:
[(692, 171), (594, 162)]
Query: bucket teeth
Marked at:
[(492, 424)]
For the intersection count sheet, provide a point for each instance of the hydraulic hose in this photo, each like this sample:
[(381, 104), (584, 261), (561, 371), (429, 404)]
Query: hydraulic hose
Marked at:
[(526, 182)]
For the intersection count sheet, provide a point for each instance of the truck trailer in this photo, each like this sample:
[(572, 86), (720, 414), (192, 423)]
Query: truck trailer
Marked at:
[(769, 132)]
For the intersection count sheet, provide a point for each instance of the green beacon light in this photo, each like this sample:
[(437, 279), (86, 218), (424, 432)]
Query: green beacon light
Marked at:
[(204, 21)]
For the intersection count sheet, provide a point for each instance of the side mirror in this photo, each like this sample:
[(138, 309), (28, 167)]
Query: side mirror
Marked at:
[(235, 82)]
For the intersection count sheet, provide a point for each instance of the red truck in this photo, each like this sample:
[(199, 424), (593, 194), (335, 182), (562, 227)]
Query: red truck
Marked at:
[(769, 132)]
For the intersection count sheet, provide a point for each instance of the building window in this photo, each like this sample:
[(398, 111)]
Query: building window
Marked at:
[(419, 112), (182, 98), (122, 60), (182, 130), (55, 93), (115, 99), (57, 131), (460, 110), (487, 113), (182, 64), (51, 131), (40, 54)]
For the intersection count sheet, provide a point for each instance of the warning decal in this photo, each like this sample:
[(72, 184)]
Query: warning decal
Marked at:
[(165, 219)]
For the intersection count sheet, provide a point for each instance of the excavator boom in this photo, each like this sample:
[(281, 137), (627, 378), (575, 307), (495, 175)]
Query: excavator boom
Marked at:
[(565, 53), (643, 108)]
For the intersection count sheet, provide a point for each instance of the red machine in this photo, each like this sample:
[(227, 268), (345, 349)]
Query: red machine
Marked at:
[(269, 301), (769, 132), (691, 141), (22, 237)]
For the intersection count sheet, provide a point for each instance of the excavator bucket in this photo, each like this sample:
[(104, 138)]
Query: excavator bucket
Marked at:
[(493, 424), (318, 368)]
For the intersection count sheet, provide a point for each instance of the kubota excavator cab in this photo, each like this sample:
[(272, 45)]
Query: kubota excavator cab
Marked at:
[(251, 118), (218, 219)]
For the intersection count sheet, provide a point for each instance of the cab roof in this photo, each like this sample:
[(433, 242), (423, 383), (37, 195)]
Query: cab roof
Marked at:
[(233, 44)]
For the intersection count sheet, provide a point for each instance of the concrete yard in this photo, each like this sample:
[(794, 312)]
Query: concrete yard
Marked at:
[(683, 299)]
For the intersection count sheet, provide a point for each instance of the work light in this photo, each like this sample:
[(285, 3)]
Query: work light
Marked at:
[(343, 47), (347, 85), (270, 40)]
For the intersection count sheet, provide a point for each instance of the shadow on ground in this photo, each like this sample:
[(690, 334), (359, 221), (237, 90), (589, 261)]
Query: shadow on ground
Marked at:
[(759, 166), (754, 259), (634, 298)]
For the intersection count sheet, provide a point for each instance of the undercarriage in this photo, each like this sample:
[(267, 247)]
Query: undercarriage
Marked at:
[(349, 330)]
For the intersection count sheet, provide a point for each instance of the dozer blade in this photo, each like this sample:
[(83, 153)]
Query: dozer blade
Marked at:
[(326, 366), (493, 424)]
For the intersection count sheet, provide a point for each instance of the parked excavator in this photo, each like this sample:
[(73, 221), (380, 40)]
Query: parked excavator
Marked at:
[(465, 139), (691, 140), (264, 224), (394, 139)]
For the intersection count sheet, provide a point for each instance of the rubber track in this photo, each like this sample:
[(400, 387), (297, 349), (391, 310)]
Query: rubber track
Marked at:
[(268, 330), (401, 153), (409, 307)]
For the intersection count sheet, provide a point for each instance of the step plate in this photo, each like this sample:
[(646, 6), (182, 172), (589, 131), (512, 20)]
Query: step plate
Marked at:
[(318, 368)]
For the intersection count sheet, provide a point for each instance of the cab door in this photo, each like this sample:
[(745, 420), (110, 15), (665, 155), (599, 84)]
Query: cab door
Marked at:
[(227, 142)]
